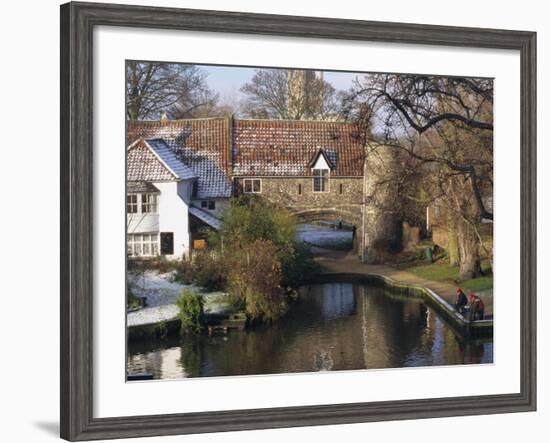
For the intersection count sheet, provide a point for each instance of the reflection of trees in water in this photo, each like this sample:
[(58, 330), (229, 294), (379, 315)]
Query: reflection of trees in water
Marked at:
[(331, 327), (191, 356)]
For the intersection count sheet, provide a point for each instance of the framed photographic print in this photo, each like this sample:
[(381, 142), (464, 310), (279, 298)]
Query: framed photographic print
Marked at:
[(272, 221)]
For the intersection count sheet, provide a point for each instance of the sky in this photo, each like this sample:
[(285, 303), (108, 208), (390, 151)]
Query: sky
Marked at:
[(228, 80)]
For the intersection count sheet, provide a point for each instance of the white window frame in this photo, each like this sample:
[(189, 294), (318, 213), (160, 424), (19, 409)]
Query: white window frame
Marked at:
[(140, 242), (252, 180), (327, 178), (152, 206), (132, 204)]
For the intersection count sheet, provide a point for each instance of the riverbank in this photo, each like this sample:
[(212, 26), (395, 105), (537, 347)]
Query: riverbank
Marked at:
[(339, 262), (345, 265)]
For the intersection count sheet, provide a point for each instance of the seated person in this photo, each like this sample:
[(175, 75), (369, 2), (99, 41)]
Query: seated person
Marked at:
[(461, 300)]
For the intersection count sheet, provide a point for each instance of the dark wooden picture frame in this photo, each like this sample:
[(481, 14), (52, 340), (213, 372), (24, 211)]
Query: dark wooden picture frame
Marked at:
[(77, 23)]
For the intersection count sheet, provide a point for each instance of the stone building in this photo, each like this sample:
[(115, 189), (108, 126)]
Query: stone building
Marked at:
[(317, 170)]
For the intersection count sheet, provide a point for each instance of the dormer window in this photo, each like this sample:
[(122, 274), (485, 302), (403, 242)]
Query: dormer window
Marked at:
[(320, 180), (320, 169)]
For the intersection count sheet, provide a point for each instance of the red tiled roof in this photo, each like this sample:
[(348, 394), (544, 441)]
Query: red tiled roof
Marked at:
[(259, 148), (285, 147), (143, 165)]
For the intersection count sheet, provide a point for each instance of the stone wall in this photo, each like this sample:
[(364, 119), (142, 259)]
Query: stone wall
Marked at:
[(342, 201), (383, 226), (344, 195)]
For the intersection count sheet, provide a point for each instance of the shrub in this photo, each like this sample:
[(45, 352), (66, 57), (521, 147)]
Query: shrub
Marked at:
[(191, 311), (255, 277), (208, 271), (255, 257), (132, 301), (184, 272), (298, 265), (250, 218)]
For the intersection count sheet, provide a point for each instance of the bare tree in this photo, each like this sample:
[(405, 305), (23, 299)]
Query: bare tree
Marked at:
[(289, 94), (445, 127), (180, 90)]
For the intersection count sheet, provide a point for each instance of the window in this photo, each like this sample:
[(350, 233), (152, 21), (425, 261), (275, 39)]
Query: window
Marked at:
[(204, 204), (131, 203), (341, 188), (252, 186), (148, 203), (211, 205), (299, 189), (320, 180), (143, 245)]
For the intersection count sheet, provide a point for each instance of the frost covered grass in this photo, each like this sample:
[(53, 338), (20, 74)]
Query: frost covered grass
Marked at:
[(161, 291)]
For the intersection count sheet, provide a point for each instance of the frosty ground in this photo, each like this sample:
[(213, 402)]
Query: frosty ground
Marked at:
[(161, 291)]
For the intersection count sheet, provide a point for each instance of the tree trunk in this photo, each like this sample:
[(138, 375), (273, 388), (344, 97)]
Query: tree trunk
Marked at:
[(452, 242), (468, 246)]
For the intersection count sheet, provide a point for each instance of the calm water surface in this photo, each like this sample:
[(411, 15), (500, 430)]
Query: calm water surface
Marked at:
[(333, 326)]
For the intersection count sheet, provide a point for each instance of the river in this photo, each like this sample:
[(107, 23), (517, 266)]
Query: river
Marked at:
[(332, 326)]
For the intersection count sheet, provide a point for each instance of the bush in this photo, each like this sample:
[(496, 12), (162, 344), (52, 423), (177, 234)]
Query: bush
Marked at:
[(208, 271), (298, 265), (191, 311), (184, 273), (255, 257), (255, 277), (132, 301), (250, 218)]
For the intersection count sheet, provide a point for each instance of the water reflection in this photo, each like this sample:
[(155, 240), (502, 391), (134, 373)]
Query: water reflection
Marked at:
[(331, 327)]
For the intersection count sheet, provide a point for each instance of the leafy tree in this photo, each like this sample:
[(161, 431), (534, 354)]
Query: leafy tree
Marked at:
[(260, 256), (250, 218)]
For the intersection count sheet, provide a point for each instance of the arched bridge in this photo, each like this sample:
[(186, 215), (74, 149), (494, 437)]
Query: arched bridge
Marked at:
[(335, 215)]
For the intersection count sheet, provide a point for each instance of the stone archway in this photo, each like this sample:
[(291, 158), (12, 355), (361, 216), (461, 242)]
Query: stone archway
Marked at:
[(335, 215)]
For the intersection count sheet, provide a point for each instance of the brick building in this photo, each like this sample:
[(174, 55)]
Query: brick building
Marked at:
[(315, 169)]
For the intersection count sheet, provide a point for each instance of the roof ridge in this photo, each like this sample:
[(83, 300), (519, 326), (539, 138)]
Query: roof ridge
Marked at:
[(273, 120), (177, 120), (288, 120)]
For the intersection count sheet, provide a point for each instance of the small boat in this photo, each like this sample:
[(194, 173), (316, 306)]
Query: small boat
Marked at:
[(139, 376)]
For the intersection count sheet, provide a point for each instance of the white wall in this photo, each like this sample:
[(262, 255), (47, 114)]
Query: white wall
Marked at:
[(30, 269), (142, 223), (174, 215), (221, 205)]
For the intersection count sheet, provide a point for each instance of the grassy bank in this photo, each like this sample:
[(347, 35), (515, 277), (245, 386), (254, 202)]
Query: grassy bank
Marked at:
[(442, 271)]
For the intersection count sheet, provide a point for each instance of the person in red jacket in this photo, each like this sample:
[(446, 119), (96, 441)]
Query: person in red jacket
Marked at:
[(477, 307)]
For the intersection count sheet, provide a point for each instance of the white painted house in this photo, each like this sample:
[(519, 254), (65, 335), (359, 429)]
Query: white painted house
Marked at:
[(160, 190)]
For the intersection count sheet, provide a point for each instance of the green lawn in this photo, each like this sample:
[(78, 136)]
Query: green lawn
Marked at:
[(442, 271)]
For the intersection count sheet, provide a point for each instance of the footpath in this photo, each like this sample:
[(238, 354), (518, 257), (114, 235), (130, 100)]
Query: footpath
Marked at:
[(336, 262)]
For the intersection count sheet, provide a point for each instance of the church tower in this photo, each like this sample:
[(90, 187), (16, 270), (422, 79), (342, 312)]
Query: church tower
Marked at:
[(305, 94)]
